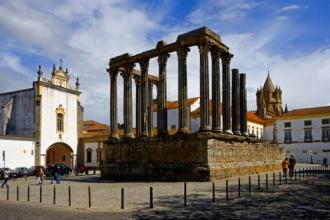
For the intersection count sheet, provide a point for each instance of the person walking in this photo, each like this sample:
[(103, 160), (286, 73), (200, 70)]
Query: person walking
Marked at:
[(40, 174), (6, 177), (292, 163), (285, 165), (325, 162)]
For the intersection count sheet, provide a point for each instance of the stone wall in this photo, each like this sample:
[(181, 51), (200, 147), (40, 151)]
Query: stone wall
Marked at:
[(188, 157)]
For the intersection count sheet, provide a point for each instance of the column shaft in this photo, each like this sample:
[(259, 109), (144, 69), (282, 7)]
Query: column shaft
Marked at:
[(235, 107), (150, 108), (226, 92), (204, 86), (113, 102), (128, 101), (138, 105), (182, 53), (144, 64), (243, 104), (216, 116), (162, 95)]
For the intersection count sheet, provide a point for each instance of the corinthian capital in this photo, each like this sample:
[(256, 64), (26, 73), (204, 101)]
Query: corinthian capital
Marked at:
[(144, 65), (204, 45), (113, 72), (215, 52), (162, 60), (226, 57), (182, 52)]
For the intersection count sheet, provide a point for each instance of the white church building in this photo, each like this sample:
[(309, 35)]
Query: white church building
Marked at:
[(41, 125)]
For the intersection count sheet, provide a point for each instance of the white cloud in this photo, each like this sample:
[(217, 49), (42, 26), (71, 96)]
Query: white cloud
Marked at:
[(12, 62), (289, 8), (223, 10), (85, 33)]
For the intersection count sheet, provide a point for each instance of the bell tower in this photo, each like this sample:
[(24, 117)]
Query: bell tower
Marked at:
[(269, 100)]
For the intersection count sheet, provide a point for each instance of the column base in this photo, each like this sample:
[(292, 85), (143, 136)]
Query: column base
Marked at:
[(204, 128), (162, 133), (236, 132), (217, 129), (114, 136), (228, 132), (244, 134), (183, 131), (129, 135), (144, 134)]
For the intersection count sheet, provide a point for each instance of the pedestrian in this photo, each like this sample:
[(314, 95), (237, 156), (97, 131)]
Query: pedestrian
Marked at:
[(57, 175), (285, 165), (6, 177), (292, 163), (40, 174), (325, 162)]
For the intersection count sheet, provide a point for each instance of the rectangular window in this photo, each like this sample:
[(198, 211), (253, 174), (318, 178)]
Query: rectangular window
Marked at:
[(287, 136), (59, 122), (325, 121), (326, 134), (89, 156), (308, 135), (287, 124), (308, 123)]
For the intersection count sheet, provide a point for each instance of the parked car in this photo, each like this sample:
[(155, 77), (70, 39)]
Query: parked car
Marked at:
[(13, 174), (22, 171), (62, 169)]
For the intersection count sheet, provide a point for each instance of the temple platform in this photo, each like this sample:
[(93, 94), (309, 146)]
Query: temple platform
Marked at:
[(189, 157)]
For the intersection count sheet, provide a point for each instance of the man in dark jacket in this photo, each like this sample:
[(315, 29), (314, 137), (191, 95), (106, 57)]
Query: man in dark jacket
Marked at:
[(292, 163)]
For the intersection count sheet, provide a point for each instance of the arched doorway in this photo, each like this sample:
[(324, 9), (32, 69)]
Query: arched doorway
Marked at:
[(60, 153)]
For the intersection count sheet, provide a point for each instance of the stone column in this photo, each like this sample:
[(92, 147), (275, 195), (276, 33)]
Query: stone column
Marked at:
[(235, 107), (243, 104), (138, 105), (113, 102), (226, 56), (216, 115), (204, 47), (162, 95), (182, 53), (144, 65), (128, 100), (150, 108)]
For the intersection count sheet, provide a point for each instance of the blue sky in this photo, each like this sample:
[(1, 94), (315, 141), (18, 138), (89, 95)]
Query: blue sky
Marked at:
[(291, 38)]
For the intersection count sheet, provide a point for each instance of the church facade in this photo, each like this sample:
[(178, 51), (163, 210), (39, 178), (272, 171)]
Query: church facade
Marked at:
[(49, 114)]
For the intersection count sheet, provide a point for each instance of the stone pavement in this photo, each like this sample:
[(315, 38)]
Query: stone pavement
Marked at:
[(303, 199)]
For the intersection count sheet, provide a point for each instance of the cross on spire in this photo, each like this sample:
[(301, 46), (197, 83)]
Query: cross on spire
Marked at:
[(61, 61)]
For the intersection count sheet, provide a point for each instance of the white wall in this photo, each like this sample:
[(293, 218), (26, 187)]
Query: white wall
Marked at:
[(304, 151), (268, 133), (301, 150), (19, 153), (93, 146), (51, 99), (256, 129)]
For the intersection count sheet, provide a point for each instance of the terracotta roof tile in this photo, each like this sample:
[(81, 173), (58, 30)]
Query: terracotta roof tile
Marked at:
[(322, 110), (254, 118), (175, 104)]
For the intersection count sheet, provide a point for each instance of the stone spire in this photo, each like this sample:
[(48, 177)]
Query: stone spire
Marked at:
[(269, 85)]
